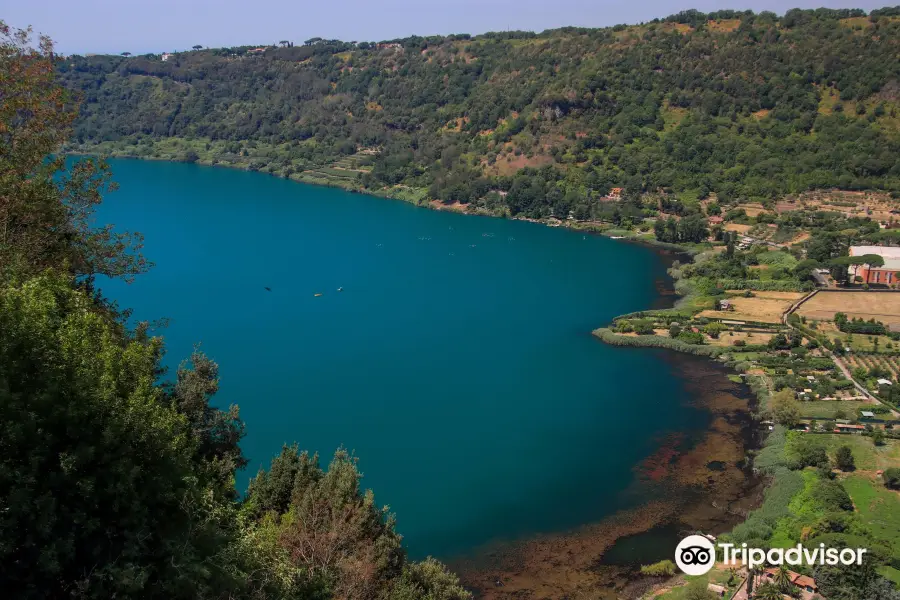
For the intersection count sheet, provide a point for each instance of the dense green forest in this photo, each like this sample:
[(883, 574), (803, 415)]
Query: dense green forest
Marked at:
[(743, 105), (117, 481)]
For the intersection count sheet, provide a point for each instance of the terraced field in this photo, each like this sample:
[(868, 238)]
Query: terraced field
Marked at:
[(345, 170)]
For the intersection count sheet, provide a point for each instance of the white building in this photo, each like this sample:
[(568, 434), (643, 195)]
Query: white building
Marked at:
[(166, 56), (888, 273), (884, 252)]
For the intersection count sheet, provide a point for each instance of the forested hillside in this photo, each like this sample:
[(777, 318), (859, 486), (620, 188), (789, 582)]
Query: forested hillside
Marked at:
[(740, 104)]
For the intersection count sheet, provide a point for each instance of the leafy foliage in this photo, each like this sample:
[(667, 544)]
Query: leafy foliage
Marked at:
[(844, 459), (45, 209), (858, 325), (663, 568), (97, 476), (785, 408), (892, 478)]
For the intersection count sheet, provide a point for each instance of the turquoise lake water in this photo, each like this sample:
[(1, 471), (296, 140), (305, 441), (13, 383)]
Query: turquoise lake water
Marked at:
[(457, 363)]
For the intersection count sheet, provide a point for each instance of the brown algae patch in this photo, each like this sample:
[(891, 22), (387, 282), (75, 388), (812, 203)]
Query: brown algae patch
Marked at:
[(684, 486), (560, 565)]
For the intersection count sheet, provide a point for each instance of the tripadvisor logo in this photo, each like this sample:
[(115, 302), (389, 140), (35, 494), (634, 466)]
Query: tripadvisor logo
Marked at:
[(696, 555)]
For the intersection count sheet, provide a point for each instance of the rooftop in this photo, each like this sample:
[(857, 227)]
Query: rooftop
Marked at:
[(796, 578), (885, 252), (891, 264), (804, 581)]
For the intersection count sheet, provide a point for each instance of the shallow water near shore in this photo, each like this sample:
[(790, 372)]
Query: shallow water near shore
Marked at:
[(457, 362), (694, 482)]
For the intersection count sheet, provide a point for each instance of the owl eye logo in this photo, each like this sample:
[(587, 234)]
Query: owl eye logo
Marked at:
[(695, 555)]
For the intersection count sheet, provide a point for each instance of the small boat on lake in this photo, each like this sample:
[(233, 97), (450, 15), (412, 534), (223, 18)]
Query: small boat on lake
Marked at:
[(317, 295)]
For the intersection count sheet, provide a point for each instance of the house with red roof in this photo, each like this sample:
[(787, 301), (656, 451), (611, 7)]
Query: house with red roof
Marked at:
[(804, 584)]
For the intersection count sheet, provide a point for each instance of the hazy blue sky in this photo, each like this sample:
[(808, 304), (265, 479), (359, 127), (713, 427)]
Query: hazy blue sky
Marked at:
[(164, 25)]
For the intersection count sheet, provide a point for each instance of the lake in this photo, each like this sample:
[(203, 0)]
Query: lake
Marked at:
[(457, 362)]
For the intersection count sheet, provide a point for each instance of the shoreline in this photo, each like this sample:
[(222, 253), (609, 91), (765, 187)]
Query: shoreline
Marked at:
[(593, 538), (603, 558), (598, 227), (685, 486)]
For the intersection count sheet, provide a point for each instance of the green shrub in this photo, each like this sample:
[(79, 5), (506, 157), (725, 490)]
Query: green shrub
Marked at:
[(832, 495), (765, 286), (656, 341), (844, 459), (690, 337), (664, 568), (892, 478)]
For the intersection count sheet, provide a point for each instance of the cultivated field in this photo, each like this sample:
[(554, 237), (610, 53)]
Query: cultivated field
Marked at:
[(749, 337), (737, 227), (752, 209), (878, 206), (891, 364), (881, 306), (764, 307)]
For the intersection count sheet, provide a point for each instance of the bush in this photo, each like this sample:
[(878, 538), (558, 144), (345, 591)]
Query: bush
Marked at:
[(690, 337), (805, 451), (664, 568), (739, 343), (832, 495), (857, 325), (643, 328), (714, 329), (697, 590), (656, 341), (892, 478), (765, 286), (844, 459), (785, 408)]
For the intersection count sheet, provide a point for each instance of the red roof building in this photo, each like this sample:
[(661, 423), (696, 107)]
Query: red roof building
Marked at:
[(806, 585), (888, 273), (847, 427)]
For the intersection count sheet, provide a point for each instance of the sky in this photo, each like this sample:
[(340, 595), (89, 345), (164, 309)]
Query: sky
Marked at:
[(114, 26)]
